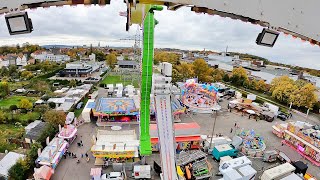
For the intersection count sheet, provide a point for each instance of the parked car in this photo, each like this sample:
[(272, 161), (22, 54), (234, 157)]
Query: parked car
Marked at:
[(282, 116), (79, 105)]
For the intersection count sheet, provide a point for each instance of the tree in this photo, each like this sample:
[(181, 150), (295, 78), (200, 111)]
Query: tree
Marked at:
[(55, 117), (41, 86), (18, 171), (217, 74), (226, 77), (32, 154), (261, 86), (25, 104), (185, 70), (73, 83), (13, 108), (239, 76), (100, 56), (41, 108), (2, 117), (304, 96), (52, 105), (111, 60), (202, 70), (50, 131), (4, 71), (26, 75), (13, 70), (4, 89), (282, 88)]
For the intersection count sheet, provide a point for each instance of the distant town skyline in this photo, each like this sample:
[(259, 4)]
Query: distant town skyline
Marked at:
[(181, 29)]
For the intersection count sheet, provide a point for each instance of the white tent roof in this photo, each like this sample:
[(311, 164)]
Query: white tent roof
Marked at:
[(8, 161)]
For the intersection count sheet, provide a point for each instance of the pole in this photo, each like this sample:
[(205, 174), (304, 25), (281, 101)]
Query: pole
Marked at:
[(214, 125)]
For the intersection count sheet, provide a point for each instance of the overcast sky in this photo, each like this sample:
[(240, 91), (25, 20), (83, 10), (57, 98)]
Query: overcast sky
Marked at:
[(176, 29)]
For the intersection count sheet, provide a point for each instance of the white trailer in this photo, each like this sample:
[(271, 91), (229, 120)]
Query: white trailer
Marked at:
[(142, 172), (243, 173), (234, 164), (278, 172)]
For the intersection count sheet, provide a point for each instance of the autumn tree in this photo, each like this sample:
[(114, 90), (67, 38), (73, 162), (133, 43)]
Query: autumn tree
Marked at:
[(282, 88), (185, 70), (304, 96), (217, 74), (25, 104), (226, 77), (162, 56), (26, 75), (111, 60), (4, 89), (239, 76), (202, 70), (55, 117), (41, 86), (261, 86)]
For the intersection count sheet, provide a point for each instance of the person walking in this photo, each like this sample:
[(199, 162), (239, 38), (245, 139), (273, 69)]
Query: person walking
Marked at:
[(235, 124), (231, 130), (87, 155)]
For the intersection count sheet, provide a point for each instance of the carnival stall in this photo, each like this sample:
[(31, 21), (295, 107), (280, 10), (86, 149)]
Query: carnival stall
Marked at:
[(253, 144), (68, 133), (302, 137), (117, 146), (187, 136), (52, 153)]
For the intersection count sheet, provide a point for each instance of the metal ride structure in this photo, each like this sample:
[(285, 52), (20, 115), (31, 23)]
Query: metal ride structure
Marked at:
[(294, 17), (146, 80)]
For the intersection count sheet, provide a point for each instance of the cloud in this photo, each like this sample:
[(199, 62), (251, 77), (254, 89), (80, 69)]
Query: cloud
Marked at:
[(176, 29)]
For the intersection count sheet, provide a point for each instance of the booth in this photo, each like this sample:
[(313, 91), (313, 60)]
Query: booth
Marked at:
[(68, 133), (119, 146), (52, 153), (187, 136)]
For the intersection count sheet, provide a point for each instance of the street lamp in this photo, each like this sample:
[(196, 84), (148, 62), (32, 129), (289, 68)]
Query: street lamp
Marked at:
[(215, 108)]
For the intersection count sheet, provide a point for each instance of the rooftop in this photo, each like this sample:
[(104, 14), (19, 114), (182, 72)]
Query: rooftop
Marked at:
[(36, 131), (126, 63)]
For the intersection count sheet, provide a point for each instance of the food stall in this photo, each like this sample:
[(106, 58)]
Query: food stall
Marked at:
[(117, 146), (52, 153), (68, 133)]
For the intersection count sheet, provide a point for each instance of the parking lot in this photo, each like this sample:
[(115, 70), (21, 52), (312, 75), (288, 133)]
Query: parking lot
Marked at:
[(68, 169)]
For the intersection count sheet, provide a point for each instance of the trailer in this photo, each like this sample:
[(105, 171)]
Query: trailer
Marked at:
[(142, 172), (224, 150), (215, 142), (237, 169), (278, 172)]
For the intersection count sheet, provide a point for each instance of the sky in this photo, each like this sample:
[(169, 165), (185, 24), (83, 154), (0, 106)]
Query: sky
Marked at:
[(181, 29)]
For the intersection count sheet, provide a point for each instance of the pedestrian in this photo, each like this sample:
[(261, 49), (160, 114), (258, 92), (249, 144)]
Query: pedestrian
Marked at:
[(81, 143), (235, 124), (87, 155), (81, 155), (231, 130)]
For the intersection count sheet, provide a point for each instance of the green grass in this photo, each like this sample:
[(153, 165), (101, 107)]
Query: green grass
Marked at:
[(17, 85), (116, 79), (14, 100), (29, 116), (9, 131), (77, 112)]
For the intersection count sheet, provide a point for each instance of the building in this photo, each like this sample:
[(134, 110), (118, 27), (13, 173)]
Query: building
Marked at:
[(45, 56), (21, 61), (128, 64), (80, 69), (34, 131)]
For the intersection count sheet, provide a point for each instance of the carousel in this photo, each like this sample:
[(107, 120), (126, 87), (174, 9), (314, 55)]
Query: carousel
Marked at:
[(253, 143), (199, 97)]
